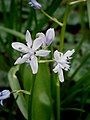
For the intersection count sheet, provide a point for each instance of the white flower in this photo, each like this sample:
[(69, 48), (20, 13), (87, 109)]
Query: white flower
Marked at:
[(30, 51), (48, 38), (4, 95), (62, 62), (35, 4)]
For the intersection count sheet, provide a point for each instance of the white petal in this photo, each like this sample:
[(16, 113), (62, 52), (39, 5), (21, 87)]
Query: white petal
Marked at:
[(34, 64), (42, 53), (23, 59), (40, 35), (69, 53), (4, 94), (37, 43), (66, 67), (20, 47), (60, 74), (55, 70), (28, 39), (50, 34), (35, 4), (1, 102), (57, 56), (43, 38)]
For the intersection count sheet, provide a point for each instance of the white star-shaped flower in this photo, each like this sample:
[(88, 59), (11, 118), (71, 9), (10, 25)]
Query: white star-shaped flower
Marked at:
[(30, 51), (47, 38), (4, 95), (62, 62)]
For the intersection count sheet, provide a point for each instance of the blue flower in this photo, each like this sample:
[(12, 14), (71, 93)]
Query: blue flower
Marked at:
[(35, 4), (4, 95)]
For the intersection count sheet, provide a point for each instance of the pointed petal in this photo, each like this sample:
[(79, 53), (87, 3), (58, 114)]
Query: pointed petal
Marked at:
[(1, 102), (4, 94), (37, 43), (69, 53), (34, 64), (42, 53), (50, 34), (60, 74), (40, 34), (43, 38), (23, 59), (57, 56), (20, 47), (55, 70), (28, 39)]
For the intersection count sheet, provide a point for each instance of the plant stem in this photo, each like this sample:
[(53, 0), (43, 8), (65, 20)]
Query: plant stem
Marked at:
[(58, 99), (30, 99), (45, 61), (78, 1), (64, 28), (53, 19)]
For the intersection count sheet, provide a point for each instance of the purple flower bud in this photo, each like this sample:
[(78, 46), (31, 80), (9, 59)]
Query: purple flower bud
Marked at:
[(50, 34), (35, 4)]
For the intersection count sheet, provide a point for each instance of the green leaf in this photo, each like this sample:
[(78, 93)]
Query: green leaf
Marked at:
[(12, 32), (14, 83), (88, 9), (41, 101)]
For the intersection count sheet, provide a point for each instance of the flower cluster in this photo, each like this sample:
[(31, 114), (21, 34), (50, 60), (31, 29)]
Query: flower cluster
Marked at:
[(36, 48), (32, 48)]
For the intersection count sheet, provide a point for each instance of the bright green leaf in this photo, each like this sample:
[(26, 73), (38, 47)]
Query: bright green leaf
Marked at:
[(14, 83)]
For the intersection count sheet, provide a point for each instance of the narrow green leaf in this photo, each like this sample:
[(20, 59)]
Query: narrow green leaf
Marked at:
[(14, 83), (41, 101), (88, 9), (12, 32)]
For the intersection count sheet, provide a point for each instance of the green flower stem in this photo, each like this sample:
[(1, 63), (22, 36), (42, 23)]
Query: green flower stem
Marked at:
[(64, 28), (21, 91), (53, 19), (45, 61), (78, 1), (58, 99), (30, 99)]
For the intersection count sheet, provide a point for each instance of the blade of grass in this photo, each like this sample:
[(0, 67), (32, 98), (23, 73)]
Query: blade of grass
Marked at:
[(12, 32), (88, 9), (64, 27)]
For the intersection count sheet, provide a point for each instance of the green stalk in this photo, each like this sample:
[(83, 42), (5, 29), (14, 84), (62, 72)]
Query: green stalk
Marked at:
[(64, 28), (53, 19), (58, 99), (30, 99), (88, 9)]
